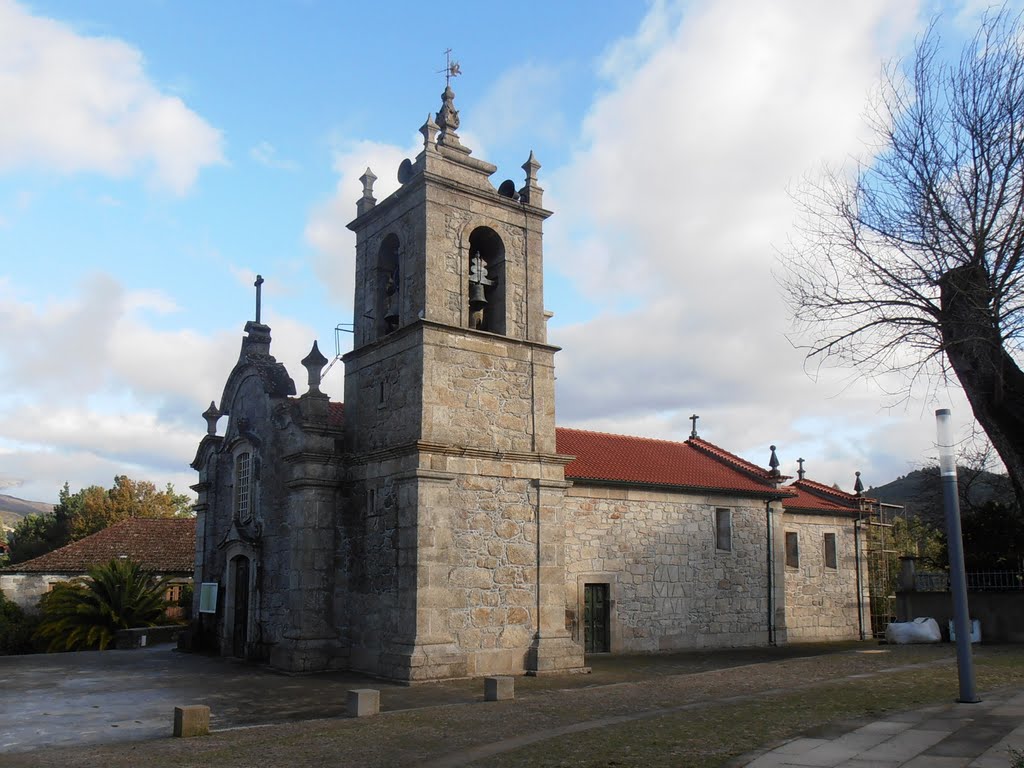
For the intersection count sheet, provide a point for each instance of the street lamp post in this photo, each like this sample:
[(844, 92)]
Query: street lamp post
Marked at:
[(957, 578)]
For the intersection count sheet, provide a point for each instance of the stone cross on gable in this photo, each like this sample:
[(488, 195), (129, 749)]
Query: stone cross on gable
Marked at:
[(693, 431), (259, 290), (800, 472)]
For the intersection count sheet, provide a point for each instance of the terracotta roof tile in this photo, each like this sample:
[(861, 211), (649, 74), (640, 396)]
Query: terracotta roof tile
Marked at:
[(817, 497), (335, 414), (694, 464), (164, 545)]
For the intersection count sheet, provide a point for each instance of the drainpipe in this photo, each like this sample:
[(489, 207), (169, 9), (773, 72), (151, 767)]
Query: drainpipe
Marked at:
[(860, 589), (771, 571)]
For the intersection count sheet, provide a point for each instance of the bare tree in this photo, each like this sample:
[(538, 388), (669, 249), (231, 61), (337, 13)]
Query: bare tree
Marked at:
[(914, 262)]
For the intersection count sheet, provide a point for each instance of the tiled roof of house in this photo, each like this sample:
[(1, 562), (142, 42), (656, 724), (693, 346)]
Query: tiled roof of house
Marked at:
[(335, 414), (817, 497), (694, 464), (161, 545)]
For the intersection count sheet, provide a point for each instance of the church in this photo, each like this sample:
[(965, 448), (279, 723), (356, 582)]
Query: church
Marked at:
[(438, 523)]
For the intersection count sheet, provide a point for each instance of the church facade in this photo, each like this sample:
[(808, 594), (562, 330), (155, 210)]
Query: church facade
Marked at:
[(437, 524)]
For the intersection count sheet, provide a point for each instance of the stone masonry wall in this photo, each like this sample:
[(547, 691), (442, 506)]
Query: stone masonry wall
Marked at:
[(492, 576), (821, 603), (483, 390), (670, 587)]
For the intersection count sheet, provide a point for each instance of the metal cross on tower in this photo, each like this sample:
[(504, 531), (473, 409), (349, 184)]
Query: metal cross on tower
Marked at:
[(259, 290)]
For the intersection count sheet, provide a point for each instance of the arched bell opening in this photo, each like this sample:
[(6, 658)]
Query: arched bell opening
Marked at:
[(486, 288), (388, 280)]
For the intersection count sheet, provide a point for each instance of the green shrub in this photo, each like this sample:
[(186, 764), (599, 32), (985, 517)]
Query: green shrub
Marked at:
[(16, 628), (86, 613)]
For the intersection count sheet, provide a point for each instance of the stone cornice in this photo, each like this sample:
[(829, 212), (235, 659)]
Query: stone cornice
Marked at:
[(425, 474), (444, 449), (423, 324), (312, 457), (314, 482)]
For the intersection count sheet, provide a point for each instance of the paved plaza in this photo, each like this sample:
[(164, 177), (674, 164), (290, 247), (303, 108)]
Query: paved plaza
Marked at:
[(100, 700)]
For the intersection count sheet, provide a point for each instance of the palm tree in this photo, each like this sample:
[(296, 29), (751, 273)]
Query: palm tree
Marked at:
[(86, 613)]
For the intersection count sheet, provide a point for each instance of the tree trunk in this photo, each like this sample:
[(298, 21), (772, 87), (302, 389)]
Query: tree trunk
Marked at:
[(993, 383)]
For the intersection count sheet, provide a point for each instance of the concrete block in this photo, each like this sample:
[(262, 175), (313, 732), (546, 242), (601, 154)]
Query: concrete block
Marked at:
[(363, 702), (192, 720), (499, 688)]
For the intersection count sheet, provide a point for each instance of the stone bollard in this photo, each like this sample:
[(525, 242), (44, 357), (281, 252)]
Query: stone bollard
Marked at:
[(193, 720), (499, 688), (363, 702)]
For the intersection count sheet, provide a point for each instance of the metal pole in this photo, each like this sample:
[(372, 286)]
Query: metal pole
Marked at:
[(957, 578)]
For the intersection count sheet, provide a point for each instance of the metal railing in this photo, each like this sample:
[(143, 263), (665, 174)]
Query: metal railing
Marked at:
[(977, 581)]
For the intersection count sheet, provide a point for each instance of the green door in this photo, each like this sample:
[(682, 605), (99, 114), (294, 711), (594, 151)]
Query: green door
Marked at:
[(595, 618)]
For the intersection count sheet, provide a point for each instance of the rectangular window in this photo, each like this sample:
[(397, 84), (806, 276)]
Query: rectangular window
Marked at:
[(723, 529), (242, 478), (792, 550), (831, 559), (208, 597)]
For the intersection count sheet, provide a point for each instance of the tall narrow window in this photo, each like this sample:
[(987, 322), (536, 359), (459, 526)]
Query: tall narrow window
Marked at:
[(723, 529), (243, 478), (831, 558), (792, 550)]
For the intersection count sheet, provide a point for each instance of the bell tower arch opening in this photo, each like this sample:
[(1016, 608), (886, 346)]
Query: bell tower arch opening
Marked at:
[(486, 285), (388, 294)]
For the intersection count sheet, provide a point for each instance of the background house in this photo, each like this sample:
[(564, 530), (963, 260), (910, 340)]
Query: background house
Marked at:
[(164, 546)]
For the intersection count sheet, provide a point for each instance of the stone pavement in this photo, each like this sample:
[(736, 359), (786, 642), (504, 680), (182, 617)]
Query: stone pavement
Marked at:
[(948, 736)]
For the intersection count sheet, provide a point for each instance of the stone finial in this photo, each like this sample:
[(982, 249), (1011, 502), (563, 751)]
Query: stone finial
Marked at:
[(448, 116), (314, 364), (800, 471), (531, 166), (448, 122), (367, 201), (531, 193), (429, 131), (212, 415), (693, 418), (858, 486), (773, 462)]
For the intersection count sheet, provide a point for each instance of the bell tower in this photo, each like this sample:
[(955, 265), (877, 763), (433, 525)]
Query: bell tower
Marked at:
[(452, 529)]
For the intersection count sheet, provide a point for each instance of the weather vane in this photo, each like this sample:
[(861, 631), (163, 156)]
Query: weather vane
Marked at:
[(451, 68)]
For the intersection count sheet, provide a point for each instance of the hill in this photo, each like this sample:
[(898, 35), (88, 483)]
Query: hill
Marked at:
[(12, 509), (921, 490)]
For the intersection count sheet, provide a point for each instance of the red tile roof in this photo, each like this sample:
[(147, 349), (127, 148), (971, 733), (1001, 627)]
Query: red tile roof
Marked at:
[(161, 545), (817, 497), (694, 464), (335, 414)]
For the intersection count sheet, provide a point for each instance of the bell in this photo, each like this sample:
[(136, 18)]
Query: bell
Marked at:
[(477, 299), (391, 315)]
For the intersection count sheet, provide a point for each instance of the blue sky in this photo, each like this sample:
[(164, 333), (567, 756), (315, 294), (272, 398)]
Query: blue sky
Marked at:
[(155, 156)]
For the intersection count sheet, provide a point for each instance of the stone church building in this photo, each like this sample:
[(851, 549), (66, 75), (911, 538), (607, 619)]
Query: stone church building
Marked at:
[(438, 524)]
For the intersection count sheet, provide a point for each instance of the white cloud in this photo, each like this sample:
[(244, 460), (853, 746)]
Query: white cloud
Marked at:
[(524, 101), (91, 388), (84, 104), (265, 154), (326, 231), (673, 207)]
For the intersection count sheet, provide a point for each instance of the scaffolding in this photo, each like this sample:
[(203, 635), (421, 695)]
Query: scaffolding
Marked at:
[(882, 563)]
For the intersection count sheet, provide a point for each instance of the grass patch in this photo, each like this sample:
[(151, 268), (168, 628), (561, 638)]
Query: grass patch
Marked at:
[(718, 733)]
